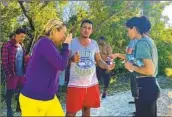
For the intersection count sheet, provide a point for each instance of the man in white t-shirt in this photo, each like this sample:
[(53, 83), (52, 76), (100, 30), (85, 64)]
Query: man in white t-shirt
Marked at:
[(83, 89)]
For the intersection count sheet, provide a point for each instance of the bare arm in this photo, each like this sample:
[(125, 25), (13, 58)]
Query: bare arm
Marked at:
[(118, 55), (121, 56), (147, 69), (100, 62)]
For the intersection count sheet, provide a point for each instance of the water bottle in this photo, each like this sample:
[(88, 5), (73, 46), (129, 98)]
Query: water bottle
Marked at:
[(109, 61), (139, 62), (134, 61), (130, 58)]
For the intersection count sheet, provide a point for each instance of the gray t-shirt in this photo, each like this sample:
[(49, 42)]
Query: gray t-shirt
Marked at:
[(146, 49), (83, 74)]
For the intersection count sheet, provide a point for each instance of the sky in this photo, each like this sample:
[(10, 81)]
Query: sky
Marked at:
[(168, 11)]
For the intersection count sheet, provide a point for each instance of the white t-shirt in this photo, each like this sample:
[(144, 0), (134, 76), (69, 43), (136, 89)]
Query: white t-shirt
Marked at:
[(83, 74)]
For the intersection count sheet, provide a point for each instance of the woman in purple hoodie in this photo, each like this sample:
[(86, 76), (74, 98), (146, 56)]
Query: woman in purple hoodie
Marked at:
[(38, 95)]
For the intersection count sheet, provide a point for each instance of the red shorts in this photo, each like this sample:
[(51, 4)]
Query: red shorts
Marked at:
[(77, 98), (15, 82)]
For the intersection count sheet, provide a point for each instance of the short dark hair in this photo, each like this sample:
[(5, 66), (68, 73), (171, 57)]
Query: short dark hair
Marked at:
[(101, 38), (142, 24), (20, 30), (86, 21)]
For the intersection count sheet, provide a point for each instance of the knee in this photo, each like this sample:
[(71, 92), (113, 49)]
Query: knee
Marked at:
[(70, 114), (86, 109)]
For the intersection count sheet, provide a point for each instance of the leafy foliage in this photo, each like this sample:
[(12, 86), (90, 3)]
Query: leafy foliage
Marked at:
[(108, 16)]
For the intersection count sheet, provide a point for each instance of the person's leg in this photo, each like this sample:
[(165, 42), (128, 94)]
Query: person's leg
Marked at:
[(54, 108), (98, 73), (151, 109), (133, 85), (152, 104), (20, 85), (135, 100), (106, 78), (9, 95), (142, 109), (67, 74), (155, 95), (141, 103), (147, 109), (11, 86), (155, 109), (31, 107), (148, 95), (70, 114), (86, 112), (74, 100), (145, 106), (92, 99), (17, 99)]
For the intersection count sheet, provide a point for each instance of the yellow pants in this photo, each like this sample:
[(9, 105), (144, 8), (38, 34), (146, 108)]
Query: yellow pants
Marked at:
[(32, 107)]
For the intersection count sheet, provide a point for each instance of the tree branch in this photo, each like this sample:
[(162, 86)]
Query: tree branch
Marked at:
[(25, 13), (111, 16), (31, 26)]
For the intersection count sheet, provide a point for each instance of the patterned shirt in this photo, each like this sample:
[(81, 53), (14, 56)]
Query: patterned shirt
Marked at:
[(9, 50)]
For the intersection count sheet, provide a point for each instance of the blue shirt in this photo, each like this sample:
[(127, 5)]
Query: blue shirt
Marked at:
[(132, 43), (19, 61)]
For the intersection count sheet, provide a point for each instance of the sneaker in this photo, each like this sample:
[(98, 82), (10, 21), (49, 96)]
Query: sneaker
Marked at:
[(134, 113), (104, 95), (131, 102)]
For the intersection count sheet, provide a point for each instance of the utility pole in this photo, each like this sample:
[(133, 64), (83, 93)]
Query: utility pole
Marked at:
[(146, 8)]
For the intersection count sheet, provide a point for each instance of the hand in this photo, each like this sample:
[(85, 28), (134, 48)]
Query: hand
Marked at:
[(10, 76), (68, 38), (129, 66), (26, 57), (76, 57), (110, 67), (114, 56)]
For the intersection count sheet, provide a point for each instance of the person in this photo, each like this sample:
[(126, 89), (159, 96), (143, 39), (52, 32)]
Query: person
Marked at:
[(14, 62), (132, 77), (38, 97), (61, 80), (105, 51), (83, 89), (145, 52), (133, 82)]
